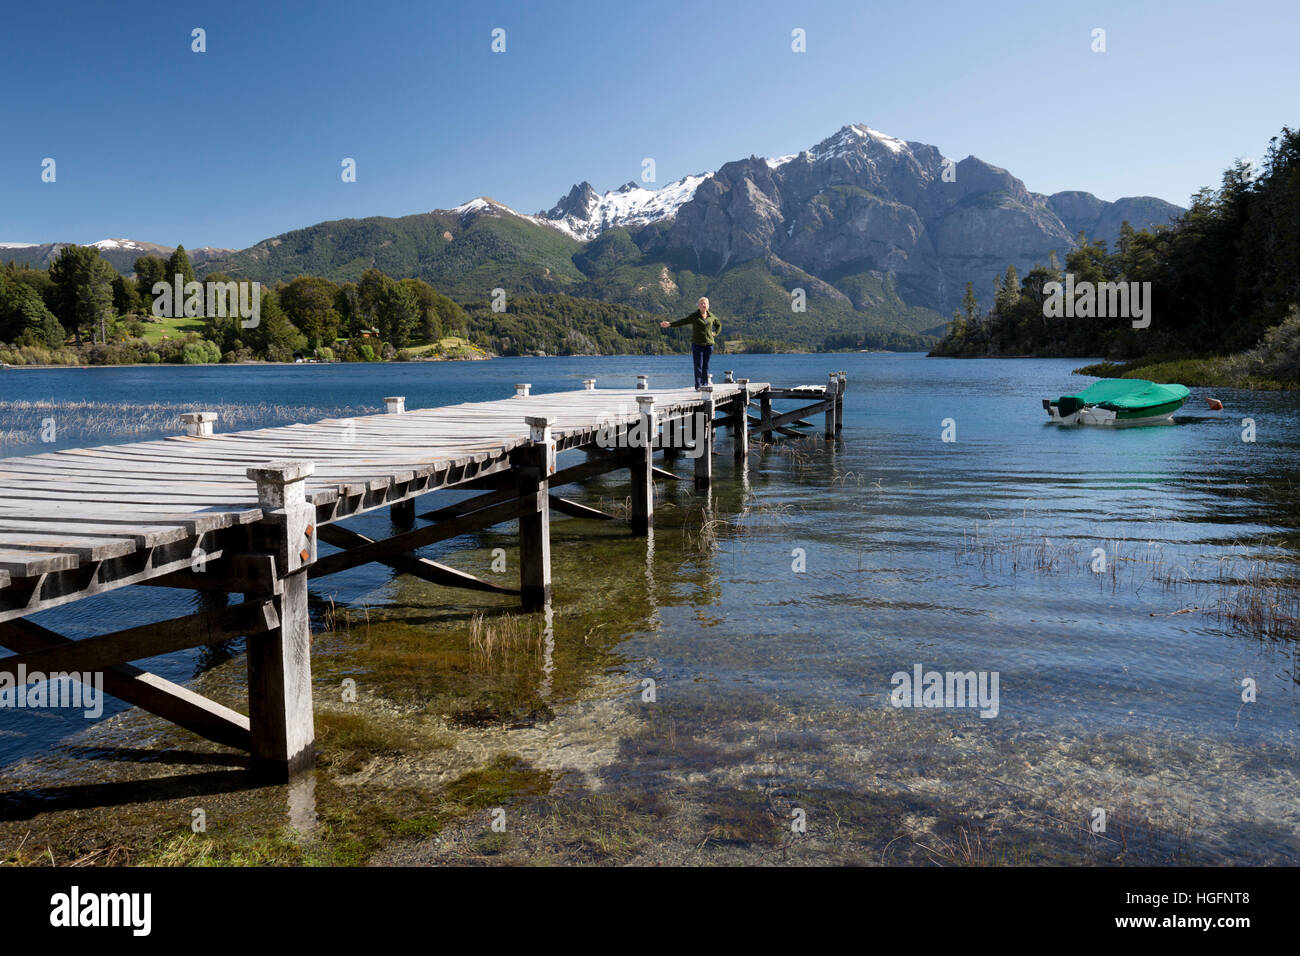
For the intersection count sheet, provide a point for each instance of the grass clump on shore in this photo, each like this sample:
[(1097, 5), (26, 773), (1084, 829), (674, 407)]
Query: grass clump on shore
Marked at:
[(1272, 365)]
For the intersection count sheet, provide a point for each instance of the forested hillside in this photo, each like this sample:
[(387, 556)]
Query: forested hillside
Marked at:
[(1221, 276)]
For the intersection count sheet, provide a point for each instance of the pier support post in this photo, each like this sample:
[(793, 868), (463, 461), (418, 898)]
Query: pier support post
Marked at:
[(534, 464), (765, 416), (704, 440), (279, 661), (643, 488), (672, 440), (198, 424), (839, 400), (832, 390), (401, 513), (741, 423)]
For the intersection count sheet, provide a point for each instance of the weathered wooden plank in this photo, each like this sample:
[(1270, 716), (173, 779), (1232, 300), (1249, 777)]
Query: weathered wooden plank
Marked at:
[(143, 537), (26, 564), (86, 549)]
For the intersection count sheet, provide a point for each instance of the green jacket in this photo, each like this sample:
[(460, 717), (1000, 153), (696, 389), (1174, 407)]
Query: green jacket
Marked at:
[(703, 331)]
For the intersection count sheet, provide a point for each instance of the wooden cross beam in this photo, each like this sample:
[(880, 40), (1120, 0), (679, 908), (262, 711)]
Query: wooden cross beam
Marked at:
[(612, 461), (147, 640), (430, 571), (410, 540), (787, 418), (577, 510), (147, 691)]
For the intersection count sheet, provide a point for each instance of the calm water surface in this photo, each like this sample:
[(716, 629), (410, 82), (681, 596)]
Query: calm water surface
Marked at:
[(1120, 689)]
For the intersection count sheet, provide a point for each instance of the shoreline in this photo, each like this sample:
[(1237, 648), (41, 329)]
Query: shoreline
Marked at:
[(416, 361)]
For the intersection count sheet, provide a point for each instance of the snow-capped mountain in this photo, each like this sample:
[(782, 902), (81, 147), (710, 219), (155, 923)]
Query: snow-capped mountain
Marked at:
[(860, 196), (584, 214), (122, 253), (859, 216)]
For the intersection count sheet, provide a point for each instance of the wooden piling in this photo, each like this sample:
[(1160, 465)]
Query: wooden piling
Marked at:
[(534, 464), (740, 423), (704, 439), (832, 387), (198, 424), (672, 440), (839, 400), (401, 513), (279, 661), (643, 491)]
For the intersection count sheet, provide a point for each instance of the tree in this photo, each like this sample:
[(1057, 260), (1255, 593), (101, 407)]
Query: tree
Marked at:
[(274, 336), (24, 319), (969, 305), (149, 270), (371, 285), (125, 298), (83, 291), (1008, 291), (179, 264), (309, 303), (348, 305), (397, 314), (429, 324)]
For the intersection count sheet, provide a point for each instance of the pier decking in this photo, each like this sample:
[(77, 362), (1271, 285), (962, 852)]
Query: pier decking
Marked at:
[(243, 512)]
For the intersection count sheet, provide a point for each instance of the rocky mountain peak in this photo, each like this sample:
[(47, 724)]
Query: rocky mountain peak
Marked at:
[(579, 203)]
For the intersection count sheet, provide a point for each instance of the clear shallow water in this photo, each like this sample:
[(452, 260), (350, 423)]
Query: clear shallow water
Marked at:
[(968, 555)]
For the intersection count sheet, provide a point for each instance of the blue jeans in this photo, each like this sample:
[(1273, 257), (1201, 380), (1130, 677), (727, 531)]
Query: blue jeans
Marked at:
[(700, 355)]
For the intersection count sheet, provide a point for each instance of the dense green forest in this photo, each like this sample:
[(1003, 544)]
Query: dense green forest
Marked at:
[(82, 311), (1221, 276)]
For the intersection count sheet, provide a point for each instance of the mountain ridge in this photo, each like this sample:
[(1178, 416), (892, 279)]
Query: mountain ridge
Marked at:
[(881, 234)]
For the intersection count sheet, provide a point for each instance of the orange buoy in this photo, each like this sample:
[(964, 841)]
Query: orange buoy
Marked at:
[(1215, 404)]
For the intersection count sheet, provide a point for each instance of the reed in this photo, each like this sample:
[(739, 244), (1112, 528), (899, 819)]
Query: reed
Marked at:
[(1260, 598), (505, 641), (23, 423)]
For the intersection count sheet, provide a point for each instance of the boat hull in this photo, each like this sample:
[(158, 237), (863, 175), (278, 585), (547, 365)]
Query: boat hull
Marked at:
[(1162, 414)]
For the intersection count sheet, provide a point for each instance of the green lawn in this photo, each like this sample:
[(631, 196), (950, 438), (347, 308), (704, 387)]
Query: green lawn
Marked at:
[(155, 332), (450, 345)]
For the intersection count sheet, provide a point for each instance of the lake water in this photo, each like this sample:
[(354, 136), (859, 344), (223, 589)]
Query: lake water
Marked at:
[(1120, 687)]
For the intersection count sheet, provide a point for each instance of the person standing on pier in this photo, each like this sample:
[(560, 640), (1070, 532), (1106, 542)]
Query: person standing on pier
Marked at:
[(705, 327)]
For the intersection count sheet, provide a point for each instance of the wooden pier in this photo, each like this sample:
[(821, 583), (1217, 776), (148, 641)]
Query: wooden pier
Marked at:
[(243, 512)]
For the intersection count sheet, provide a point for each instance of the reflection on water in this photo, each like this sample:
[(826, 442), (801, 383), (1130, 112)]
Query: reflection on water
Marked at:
[(1128, 586)]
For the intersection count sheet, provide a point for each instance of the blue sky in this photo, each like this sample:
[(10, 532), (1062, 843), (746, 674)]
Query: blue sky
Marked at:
[(231, 146)]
